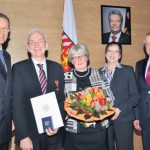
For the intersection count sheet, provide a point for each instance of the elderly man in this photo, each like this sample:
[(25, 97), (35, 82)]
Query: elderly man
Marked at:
[(27, 84), (115, 19), (143, 79)]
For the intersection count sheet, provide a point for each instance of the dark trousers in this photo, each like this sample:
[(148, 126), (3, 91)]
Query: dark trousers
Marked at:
[(44, 144), (4, 146), (146, 138), (121, 134)]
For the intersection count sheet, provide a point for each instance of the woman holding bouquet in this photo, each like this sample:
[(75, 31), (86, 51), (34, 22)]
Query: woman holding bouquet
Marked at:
[(80, 135), (123, 85)]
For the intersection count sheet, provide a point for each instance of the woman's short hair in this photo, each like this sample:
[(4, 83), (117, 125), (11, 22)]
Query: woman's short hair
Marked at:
[(78, 48), (114, 43)]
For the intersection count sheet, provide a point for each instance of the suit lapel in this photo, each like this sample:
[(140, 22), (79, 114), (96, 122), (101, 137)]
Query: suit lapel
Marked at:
[(121, 38), (3, 71), (116, 74), (2, 67), (33, 76), (49, 76), (143, 70)]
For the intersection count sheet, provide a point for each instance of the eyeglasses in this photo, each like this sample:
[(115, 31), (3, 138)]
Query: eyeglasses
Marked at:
[(39, 42), (4, 29), (78, 57), (111, 51)]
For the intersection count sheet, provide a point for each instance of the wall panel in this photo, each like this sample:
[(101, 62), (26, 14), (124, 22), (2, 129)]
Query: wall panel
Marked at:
[(47, 15)]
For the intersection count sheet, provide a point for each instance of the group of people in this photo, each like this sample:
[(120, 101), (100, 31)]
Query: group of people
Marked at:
[(128, 93)]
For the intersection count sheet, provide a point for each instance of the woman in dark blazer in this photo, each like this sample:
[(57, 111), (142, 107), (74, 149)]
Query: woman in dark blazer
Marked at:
[(123, 85)]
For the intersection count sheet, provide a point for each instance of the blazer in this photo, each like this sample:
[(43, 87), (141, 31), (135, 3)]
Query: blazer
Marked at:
[(124, 88), (143, 109), (25, 86), (5, 99), (124, 39)]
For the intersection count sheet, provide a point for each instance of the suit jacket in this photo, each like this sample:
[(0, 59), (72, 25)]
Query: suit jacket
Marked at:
[(124, 88), (143, 109), (25, 86), (5, 100), (124, 39)]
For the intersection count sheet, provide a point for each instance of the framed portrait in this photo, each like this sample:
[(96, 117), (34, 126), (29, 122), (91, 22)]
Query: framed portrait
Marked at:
[(115, 24)]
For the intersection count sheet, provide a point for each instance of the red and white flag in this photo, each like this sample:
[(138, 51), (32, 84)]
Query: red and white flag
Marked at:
[(69, 34)]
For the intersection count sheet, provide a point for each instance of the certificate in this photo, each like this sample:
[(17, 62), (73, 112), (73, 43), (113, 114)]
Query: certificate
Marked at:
[(46, 112)]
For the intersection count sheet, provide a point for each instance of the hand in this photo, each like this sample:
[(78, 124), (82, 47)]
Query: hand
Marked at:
[(50, 132), (117, 113), (13, 126), (26, 144), (136, 124)]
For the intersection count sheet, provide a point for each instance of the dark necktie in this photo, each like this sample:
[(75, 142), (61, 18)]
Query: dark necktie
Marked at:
[(2, 58), (114, 38), (42, 78), (148, 76)]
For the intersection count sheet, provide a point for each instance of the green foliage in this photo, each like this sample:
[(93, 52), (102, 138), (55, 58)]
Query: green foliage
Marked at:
[(87, 116)]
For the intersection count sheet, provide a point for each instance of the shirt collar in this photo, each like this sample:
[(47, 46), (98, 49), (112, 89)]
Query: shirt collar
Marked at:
[(117, 66), (36, 62), (1, 49), (117, 35)]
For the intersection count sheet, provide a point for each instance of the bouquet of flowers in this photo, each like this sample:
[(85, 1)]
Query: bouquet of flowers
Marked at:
[(88, 105)]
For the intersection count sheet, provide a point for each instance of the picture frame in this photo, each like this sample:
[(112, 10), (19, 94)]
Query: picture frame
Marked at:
[(116, 23)]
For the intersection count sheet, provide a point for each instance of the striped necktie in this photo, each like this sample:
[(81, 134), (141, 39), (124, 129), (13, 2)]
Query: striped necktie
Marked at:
[(42, 78)]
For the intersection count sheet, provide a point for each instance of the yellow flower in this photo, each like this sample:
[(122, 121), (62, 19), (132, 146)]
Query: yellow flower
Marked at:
[(99, 94), (84, 100), (88, 103), (88, 97)]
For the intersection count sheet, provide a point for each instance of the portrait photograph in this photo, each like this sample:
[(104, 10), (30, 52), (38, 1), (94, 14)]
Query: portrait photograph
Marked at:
[(115, 24)]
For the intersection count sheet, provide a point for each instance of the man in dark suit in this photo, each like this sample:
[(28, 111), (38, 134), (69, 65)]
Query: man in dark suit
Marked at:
[(26, 85), (143, 110), (115, 19), (5, 85)]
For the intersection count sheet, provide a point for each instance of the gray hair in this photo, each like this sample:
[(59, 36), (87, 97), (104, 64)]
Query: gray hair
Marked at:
[(148, 34), (78, 48), (35, 30), (115, 12)]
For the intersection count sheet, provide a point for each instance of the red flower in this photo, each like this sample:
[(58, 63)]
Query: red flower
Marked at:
[(102, 101)]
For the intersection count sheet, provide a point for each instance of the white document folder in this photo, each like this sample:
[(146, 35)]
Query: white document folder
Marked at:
[(46, 106)]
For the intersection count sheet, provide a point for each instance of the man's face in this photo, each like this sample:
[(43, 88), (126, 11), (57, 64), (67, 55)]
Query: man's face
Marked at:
[(147, 44), (37, 46), (115, 23), (4, 30)]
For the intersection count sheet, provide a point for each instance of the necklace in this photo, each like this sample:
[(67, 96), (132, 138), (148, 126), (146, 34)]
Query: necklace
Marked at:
[(81, 76)]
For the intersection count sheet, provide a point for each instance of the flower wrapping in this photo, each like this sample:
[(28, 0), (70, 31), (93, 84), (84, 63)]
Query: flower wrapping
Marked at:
[(88, 105)]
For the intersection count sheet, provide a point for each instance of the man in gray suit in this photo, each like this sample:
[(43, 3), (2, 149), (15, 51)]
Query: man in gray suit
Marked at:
[(143, 111), (5, 85)]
